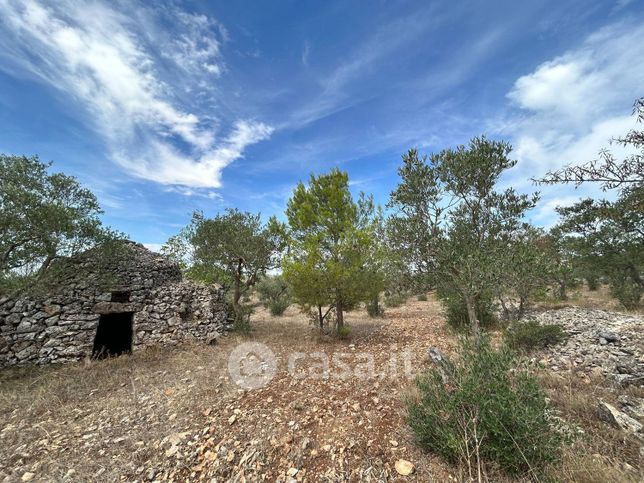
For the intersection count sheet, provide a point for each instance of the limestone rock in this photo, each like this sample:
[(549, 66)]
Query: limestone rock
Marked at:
[(599, 342), (404, 467), (615, 417)]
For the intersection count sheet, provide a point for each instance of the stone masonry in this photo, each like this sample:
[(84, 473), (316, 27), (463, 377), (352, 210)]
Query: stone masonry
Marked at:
[(61, 324)]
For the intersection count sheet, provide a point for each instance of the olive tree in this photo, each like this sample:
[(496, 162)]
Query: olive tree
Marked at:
[(455, 225), (527, 268), (43, 216), (234, 249), (607, 237)]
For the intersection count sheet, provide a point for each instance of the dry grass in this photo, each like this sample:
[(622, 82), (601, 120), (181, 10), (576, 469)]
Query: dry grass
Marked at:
[(111, 419), (600, 299), (98, 418), (602, 453)]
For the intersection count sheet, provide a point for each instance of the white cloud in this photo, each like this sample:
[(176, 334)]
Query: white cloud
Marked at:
[(186, 191), (573, 104), (570, 107), (106, 61)]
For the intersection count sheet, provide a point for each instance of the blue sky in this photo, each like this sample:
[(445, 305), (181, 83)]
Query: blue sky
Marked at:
[(205, 105)]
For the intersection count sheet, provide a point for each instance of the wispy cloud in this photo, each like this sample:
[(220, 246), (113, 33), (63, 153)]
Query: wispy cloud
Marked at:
[(306, 52), (359, 63), (107, 58)]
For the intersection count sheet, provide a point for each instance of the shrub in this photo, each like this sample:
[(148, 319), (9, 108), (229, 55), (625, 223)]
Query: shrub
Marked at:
[(480, 410), (626, 290), (374, 309), (279, 306), (395, 300), (242, 318), (422, 297), (344, 332), (593, 282), (274, 293), (531, 335), (457, 311)]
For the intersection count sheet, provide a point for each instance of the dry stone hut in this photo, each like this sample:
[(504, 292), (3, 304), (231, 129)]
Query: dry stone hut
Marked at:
[(108, 301)]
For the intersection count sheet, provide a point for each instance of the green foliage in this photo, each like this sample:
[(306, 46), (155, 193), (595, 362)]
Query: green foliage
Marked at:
[(603, 238), (374, 309), (482, 409), (395, 299), (274, 293), (242, 313), (526, 270), (530, 335), (626, 290), (606, 237), (454, 225), (344, 331), (422, 297), (233, 249), (278, 307), (44, 216), (332, 237), (593, 282), (457, 316)]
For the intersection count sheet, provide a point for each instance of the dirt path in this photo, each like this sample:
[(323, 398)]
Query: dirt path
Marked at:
[(334, 413)]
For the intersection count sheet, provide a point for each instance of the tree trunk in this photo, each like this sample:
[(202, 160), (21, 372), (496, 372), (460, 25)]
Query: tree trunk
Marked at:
[(471, 315), (635, 274), (562, 290), (522, 304), (45, 265), (236, 296), (320, 318), (339, 315), (506, 310)]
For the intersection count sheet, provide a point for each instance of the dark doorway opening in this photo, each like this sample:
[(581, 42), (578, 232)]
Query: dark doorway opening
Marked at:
[(113, 335)]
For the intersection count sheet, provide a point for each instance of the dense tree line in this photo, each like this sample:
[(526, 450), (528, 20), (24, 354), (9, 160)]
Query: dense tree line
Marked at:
[(448, 228)]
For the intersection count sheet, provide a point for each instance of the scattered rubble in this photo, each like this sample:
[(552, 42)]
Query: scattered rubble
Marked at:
[(607, 343)]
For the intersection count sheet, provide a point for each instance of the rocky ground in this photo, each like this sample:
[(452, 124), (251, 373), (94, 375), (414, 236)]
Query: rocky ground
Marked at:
[(332, 411), (607, 344), (164, 415)]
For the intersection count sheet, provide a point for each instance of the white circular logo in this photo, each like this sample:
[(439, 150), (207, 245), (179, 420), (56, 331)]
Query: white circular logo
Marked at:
[(252, 365)]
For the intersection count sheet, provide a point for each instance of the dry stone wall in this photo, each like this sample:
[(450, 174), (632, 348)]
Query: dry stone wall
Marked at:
[(61, 326)]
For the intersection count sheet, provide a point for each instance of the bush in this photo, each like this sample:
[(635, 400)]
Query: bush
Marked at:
[(279, 306), (531, 335), (422, 297), (344, 332), (395, 300), (457, 312), (626, 290), (374, 309), (242, 318), (274, 293), (593, 283), (480, 410)]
